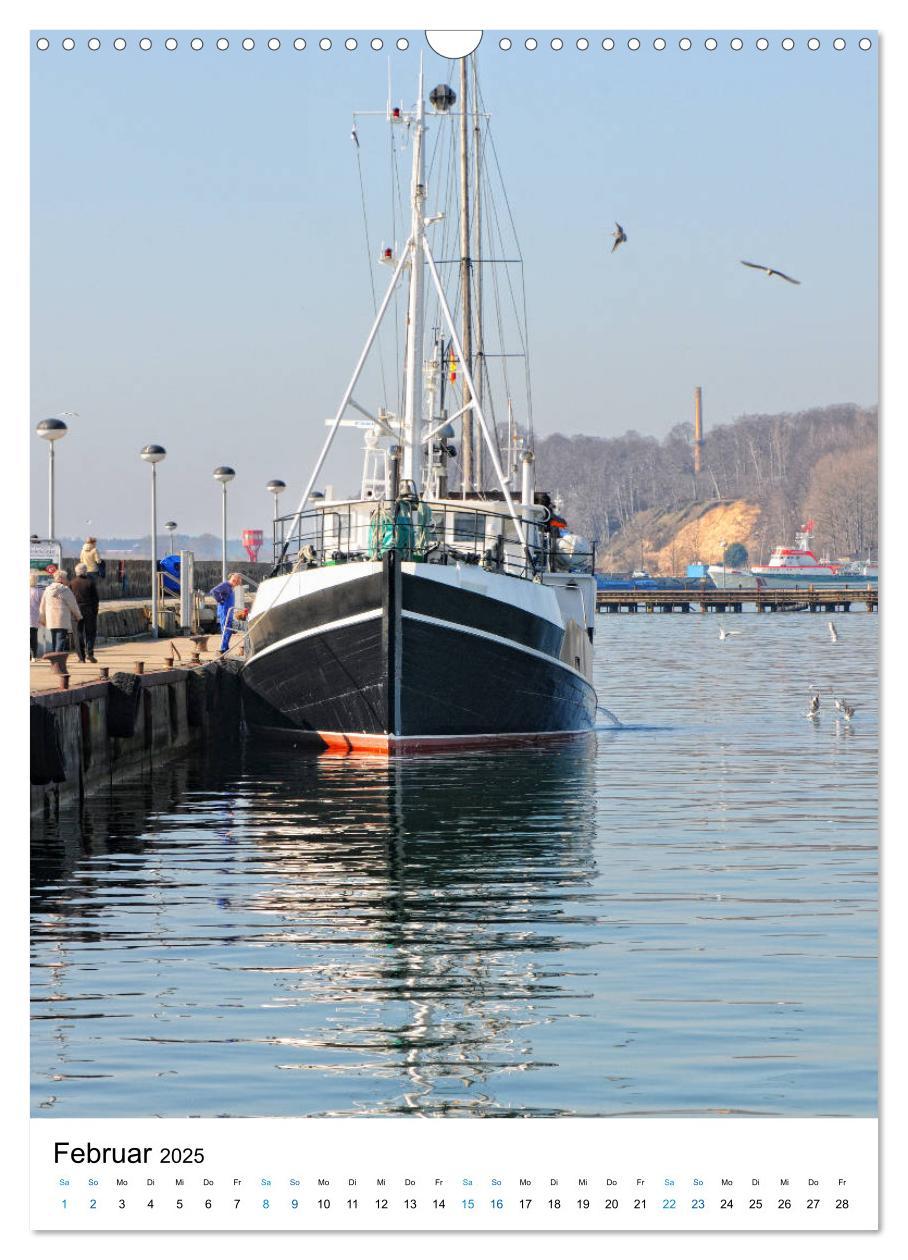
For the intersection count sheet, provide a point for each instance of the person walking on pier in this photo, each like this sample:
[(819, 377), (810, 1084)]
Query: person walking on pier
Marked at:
[(85, 590), (59, 611), (91, 557), (224, 595), (35, 592)]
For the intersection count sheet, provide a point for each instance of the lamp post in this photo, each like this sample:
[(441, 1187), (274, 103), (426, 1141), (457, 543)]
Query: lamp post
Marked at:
[(224, 474), (722, 545), (171, 527), (51, 430), (276, 488), (153, 455)]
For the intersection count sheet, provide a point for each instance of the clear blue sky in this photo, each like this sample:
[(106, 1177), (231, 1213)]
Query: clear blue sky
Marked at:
[(199, 273)]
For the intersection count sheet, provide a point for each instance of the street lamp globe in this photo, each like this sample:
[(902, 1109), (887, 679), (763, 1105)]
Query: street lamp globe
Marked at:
[(51, 430), (152, 454), (276, 487), (224, 474)]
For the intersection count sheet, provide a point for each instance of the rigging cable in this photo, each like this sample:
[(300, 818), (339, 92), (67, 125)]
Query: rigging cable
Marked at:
[(362, 194)]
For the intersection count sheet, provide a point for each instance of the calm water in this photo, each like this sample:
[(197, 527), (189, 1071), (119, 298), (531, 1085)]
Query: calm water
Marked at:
[(678, 917)]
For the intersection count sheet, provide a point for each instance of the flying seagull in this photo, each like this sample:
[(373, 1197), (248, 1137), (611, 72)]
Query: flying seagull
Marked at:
[(833, 633), (619, 235), (725, 634), (770, 271)]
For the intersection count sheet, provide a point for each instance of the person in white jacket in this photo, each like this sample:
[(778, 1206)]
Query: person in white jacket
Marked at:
[(59, 611)]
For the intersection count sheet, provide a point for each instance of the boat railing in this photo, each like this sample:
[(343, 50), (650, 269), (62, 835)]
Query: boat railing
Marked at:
[(420, 531)]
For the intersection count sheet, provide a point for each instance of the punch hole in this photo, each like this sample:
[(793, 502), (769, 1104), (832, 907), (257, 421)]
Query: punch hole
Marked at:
[(324, 44), (658, 43), (608, 43), (788, 43), (94, 43), (196, 43), (170, 44), (762, 43), (684, 44), (403, 44), (633, 43), (711, 44), (350, 44), (42, 44), (223, 44), (119, 43), (145, 43), (451, 45), (838, 44), (530, 44), (274, 43), (248, 44), (813, 44), (377, 44), (504, 44), (299, 44), (865, 44), (737, 44), (582, 44), (69, 44), (557, 44)]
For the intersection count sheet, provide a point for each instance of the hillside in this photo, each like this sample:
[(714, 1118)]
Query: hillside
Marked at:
[(761, 477)]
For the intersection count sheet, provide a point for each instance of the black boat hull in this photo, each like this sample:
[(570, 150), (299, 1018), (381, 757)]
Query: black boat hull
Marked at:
[(408, 659)]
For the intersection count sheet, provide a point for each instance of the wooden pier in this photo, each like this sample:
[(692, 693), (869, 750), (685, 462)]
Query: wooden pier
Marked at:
[(829, 600)]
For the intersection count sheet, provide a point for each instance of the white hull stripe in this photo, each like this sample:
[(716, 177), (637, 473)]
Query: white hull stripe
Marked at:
[(495, 638), (371, 615), (374, 613)]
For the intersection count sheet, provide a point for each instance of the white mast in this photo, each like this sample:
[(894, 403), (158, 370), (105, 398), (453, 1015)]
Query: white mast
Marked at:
[(412, 426), (477, 266), (467, 444)]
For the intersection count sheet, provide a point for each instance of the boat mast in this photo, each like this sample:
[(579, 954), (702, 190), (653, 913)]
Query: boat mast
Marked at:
[(412, 437), (466, 335), (477, 267)]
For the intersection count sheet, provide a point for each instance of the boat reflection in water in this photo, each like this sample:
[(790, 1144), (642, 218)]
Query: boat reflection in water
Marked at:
[(321, 936)]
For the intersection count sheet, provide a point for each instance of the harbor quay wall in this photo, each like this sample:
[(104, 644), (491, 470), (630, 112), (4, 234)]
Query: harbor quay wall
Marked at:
[(90, 738)]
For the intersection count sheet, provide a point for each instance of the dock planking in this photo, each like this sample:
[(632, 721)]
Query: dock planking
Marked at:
[(807, 599)]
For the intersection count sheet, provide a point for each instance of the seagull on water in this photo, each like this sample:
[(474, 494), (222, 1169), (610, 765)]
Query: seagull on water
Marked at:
[(813, 706), (847, 710), (833, 633), (770, 271), (619, 234), (839, 704), (725, 634)]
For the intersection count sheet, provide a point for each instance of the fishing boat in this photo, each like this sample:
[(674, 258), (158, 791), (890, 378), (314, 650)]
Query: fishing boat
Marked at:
[(413, 613)]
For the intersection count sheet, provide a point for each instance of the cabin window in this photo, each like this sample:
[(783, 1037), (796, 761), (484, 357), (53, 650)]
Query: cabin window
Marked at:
[(467, 528)]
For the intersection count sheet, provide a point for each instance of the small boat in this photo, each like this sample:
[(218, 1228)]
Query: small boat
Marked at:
[(727, 578)]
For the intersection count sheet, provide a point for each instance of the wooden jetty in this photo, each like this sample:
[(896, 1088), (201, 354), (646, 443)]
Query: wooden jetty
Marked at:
[(808, 599)]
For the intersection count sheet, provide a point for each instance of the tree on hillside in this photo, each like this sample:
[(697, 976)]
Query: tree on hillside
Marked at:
[(843, 499)]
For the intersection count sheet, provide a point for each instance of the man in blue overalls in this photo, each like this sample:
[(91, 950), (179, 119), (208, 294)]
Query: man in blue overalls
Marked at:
[(224, 597)]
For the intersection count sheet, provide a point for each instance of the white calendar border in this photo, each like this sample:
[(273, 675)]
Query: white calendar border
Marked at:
[(231, 14)]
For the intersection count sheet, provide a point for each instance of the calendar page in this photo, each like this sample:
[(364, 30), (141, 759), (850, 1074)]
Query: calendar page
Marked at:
[(454, 644)]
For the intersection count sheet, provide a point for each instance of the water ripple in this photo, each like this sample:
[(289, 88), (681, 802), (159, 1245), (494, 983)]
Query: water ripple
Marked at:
[(673, 917)]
